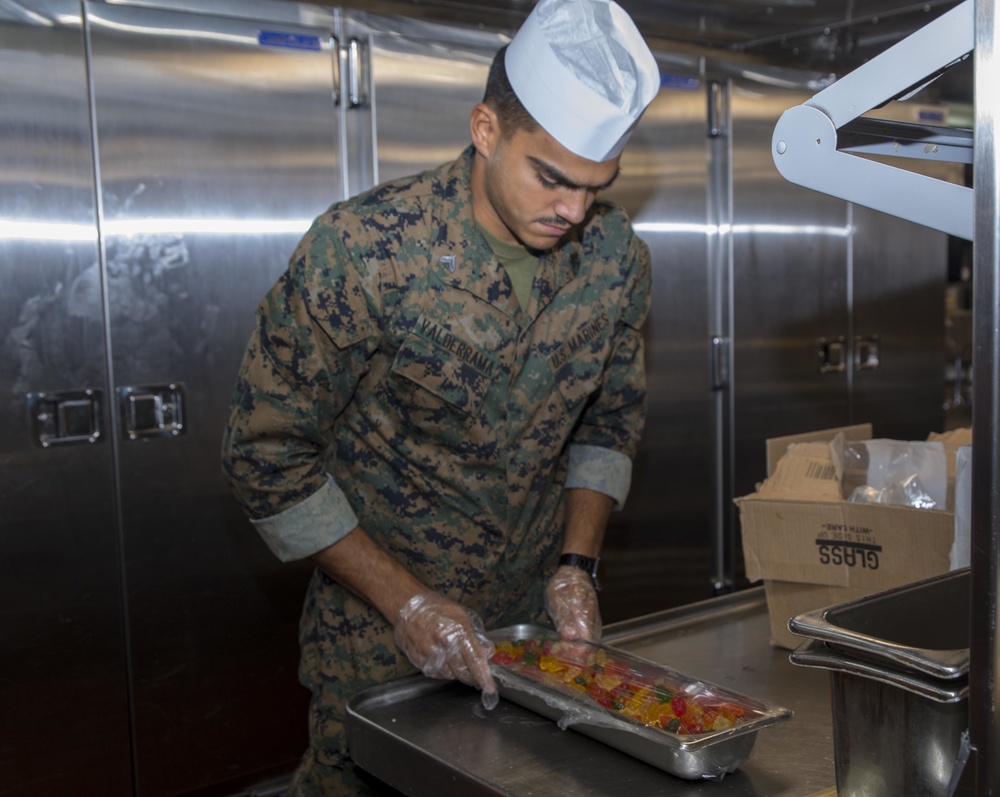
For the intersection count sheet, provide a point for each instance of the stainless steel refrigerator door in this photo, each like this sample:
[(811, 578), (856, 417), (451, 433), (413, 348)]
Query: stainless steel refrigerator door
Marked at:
[(217, 145), (790, 293), (63, 680), (839, 310), (657, 550), (899, 272), (425, 79)]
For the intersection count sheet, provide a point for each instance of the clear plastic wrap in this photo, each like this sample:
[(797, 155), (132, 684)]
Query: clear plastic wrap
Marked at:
[(607, 680), (680, 724), (571, 601), (446, 640)]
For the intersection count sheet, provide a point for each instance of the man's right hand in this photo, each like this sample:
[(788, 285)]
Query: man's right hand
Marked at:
[(441, 637), (445, 640)]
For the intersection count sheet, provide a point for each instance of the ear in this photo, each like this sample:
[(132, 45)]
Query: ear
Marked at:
[(484, 126)]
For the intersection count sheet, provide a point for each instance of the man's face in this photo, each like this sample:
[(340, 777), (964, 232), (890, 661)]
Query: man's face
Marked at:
[(529, 188)]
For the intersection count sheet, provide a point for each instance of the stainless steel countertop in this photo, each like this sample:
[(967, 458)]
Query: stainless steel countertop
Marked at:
[(434, 739)]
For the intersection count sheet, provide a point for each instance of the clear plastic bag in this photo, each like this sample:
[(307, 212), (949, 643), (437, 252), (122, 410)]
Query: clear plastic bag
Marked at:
[(898, 472)]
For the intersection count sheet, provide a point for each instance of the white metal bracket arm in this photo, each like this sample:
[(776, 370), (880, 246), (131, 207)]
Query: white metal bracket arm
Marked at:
[(805, 142)]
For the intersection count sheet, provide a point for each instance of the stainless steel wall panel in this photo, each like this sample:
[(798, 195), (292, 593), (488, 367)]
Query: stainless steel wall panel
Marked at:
[(216, 151), (63, 695)]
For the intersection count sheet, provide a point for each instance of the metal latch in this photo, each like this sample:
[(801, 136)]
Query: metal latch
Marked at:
[(152, 410), (65, 416), (866, 353), (832, 355)]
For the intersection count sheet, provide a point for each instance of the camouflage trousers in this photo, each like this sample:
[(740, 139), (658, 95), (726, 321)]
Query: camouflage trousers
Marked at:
[(347, 647), (313, 779)]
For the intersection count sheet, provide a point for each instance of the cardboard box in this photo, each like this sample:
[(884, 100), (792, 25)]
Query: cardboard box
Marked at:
[(813, 549)]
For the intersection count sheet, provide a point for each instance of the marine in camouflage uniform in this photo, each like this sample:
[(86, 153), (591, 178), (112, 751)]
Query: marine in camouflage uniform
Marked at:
[(394, 381)]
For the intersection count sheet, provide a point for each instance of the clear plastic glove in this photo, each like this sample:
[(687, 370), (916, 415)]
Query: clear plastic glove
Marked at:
[(445, 640), (571, 601)]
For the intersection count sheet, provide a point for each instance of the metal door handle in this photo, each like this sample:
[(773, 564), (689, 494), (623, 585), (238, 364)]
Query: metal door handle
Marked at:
[(152, 410), (335, 50), (719, 362), (716, 110), (355, 76), (65, 416)]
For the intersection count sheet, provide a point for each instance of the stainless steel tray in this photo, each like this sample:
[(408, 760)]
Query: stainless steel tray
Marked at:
[(708, 755), (431, 738), (920, 628), (814, 653)]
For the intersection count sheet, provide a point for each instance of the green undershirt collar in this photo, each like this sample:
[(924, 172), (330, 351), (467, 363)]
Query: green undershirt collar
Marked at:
[(519, 263)]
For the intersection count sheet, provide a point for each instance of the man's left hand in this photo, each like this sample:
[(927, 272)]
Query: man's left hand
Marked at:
[(571, 601)]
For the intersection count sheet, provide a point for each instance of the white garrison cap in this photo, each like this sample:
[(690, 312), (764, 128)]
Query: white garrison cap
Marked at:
[(584, 73)]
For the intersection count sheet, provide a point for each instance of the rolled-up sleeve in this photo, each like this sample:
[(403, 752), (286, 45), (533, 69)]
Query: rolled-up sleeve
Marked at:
[(607, 438), (303, 363), (322, 519), (600, 469)]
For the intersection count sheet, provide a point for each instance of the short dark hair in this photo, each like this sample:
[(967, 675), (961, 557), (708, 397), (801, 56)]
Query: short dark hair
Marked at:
[(502, 99)]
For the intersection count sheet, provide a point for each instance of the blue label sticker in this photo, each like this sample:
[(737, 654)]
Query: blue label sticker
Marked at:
[(679, 82), (930, 115), (274, 38)]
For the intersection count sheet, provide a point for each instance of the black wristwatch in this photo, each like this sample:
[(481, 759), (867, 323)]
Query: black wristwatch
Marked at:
[(585, 563)]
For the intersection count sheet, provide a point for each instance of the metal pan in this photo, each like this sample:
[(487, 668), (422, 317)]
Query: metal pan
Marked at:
[(708, 755), (920, 628)]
